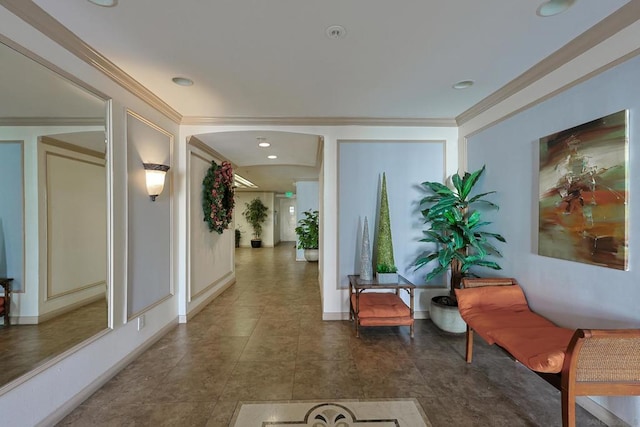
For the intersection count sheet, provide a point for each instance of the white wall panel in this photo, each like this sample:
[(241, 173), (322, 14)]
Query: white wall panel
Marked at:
[(210, 254)]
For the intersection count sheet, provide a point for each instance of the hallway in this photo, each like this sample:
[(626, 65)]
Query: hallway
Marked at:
[(263, 340)]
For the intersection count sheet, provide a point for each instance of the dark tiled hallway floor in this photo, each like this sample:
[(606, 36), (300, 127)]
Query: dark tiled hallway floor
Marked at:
[(263, 339)]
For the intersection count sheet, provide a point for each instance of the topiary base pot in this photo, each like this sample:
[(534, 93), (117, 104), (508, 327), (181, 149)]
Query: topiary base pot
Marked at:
[(311, 255), (387, 278), (446, 317), (256, 243)]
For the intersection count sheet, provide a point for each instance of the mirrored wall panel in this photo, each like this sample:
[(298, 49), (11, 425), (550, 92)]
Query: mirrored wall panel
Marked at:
[(53, 214)]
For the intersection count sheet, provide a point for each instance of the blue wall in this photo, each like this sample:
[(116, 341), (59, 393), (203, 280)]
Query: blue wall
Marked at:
[(11, 213), (406, 165), (572, 294)]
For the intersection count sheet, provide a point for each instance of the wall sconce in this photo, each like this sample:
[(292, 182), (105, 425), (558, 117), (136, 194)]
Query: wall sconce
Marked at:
[(155, 178)]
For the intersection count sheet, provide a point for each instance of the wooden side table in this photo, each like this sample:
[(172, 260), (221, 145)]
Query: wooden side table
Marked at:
[(371, 308), (5, 304)]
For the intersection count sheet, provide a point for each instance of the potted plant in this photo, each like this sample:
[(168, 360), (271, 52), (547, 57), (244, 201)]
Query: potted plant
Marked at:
[(238, 237), (308, 232), (460, 242), (386, 270), (255, 214)]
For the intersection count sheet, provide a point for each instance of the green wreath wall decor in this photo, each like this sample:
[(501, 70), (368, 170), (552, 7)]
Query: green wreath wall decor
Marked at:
[(217, 196)]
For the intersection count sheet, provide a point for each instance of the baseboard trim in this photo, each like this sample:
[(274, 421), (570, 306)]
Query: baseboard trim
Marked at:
[(59, 414), (335, 316), (201, 305), (35, 320), (600, 412)]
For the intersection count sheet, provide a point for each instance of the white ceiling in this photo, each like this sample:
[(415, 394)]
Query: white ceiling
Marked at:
[(257, 59), (298, 157)]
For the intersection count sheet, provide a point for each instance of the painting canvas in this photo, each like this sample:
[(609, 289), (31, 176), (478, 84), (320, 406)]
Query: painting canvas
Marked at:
[(583, 193)]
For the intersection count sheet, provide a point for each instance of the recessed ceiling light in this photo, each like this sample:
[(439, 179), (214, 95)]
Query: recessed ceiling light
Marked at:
[(272, 156), (554, 7), (182, 81), (104, 3), (336, 32), (463, 84), (262, 142)]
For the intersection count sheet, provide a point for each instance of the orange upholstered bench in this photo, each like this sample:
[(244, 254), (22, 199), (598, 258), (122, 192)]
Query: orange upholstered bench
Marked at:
[(370, 307), (381, 309), (578, 362)]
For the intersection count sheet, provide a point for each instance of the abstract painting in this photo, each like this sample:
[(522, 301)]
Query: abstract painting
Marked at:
[(583, 193)]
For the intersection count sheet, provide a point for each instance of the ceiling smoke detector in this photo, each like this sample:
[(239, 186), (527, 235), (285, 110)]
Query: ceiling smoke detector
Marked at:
[(336, 32)]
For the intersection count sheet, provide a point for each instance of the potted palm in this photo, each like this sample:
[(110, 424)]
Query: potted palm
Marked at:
[(308, 233), (456, 229), (255, 214)]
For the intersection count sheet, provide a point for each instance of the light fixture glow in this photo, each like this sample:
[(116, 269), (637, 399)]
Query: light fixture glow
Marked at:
[(262, 142), (155, 175), (242, 182), (104, 3), (463, 84), (182, 81), (554, 7), (272, 156)]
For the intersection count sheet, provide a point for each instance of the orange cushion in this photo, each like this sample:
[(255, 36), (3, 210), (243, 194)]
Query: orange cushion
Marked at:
[(491, 298), (486, 322), (378, 305), (539, 349)]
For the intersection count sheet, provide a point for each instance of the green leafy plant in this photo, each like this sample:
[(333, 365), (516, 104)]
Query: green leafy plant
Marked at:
[(255, 214), (385, 262), (386, 268), (457, 229), (307, 230), (217, 196)]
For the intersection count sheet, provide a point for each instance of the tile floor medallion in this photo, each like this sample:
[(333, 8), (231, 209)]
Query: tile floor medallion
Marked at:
[(334, 413)]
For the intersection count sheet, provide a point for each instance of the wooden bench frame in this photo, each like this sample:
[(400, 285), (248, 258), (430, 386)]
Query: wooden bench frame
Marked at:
[(5, 283), (592, 366)]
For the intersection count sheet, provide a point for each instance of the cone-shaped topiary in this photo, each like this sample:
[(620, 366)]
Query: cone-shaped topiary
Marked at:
[(384, 247)]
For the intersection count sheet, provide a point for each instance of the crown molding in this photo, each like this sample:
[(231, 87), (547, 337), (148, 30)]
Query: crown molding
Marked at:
[(33, 15), (197, 143), (52, 121), (614, 23), (72, 147), (318, 121), (558, 91)]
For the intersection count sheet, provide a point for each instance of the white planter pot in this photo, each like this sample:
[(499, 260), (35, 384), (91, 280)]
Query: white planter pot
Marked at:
[(311, 255), (447, 318)]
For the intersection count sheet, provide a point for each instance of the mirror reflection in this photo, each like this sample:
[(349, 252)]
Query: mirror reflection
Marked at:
[(53, 214)]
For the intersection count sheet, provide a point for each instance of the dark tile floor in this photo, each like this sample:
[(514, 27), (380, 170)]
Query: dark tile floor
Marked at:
[(263, 340)]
